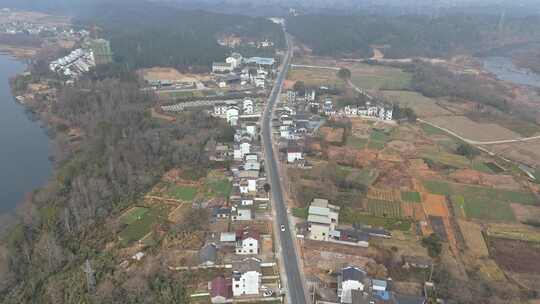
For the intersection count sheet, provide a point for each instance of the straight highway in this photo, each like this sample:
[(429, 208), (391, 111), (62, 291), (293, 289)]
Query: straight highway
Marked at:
[(294, 283)]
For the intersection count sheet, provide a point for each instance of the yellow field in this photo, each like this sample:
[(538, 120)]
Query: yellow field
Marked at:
[(472, 233)]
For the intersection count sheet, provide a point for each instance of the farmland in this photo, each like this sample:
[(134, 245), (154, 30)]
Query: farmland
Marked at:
[(184, 193), (384, 208), (140, 222), (445, 158), (465, 127), (379, 77), (481, 202), (351, 216), (316, 77), (422, 106)]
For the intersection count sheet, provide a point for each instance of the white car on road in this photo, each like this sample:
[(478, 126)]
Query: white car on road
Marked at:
[(283, 228)]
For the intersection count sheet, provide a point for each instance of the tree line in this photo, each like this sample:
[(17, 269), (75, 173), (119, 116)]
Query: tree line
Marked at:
[(149, 34), (410, 36)]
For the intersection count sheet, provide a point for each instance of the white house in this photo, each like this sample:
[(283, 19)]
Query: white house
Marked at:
[(246, 201), (246, 277), (294, 154), (237, 152), (235, 60), (242, 214), (351, 111), (285, 131), (389, 114), (372, 111), (248, 242), (245, 147), (252, 165), (232, 115), (222, 67), (251, 129), (248, 107), (351, 278)]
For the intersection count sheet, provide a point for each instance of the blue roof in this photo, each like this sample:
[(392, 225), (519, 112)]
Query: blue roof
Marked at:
[(383, 295), (261, 60)]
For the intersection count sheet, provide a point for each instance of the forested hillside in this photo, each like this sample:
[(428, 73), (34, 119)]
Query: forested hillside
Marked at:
[(408, 36), (123, 153), (145, 34)]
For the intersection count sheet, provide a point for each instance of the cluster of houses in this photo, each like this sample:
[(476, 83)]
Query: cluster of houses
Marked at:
[(233, 111), (322, 225), (246, 206), (380, 111), (237, 69), (355, 286), (79, 61)]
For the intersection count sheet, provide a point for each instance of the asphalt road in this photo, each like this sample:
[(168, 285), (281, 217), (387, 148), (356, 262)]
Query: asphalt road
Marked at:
[(295, 287)]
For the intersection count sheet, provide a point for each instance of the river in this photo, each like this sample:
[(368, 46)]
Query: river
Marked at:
[(24, 148), (506, 70)]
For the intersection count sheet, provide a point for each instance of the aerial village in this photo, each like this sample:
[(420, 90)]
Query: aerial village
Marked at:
[(376, 200)]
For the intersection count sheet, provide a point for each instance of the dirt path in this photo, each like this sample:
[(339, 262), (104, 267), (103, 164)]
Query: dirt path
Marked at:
[(474, 142)]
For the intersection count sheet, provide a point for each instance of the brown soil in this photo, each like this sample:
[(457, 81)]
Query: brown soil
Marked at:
[(403, 147), (525, 212), (468, 176), (333, 135), (516, 256)]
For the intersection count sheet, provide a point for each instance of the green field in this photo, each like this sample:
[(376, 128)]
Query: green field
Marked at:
[(411, 197), (142, 225), (133, 215), (350, 216), (356, 143), (184, 193), (447, 159), (316, 77), (384, 209), (482, 167), (219, 188), (482, 202), (379, 77), (431, 130), (300, 212), (377, 139)]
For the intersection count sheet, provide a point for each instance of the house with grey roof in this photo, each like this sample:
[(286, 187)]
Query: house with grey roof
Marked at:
[(322, 219), (208, 255)]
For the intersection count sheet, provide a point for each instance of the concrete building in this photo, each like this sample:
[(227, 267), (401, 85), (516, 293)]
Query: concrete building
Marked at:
[(246, 277), (322, 219), (222, 67), (294, 154)]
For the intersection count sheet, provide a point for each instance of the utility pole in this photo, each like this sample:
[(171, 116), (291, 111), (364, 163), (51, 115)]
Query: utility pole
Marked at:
[(90, 276)]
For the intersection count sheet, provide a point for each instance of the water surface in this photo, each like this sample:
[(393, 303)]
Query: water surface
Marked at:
[(24, 146), (506, 70)]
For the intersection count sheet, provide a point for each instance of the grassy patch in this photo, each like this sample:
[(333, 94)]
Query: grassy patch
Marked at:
[(133, 215), (411, 196), (431, 130), (300, 212), (482, 167), (142, 225), (220, 187), (379, 77), (494, 167), (447, 159), (184, 193), (350, 216), (356, 143), (378, 135)]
